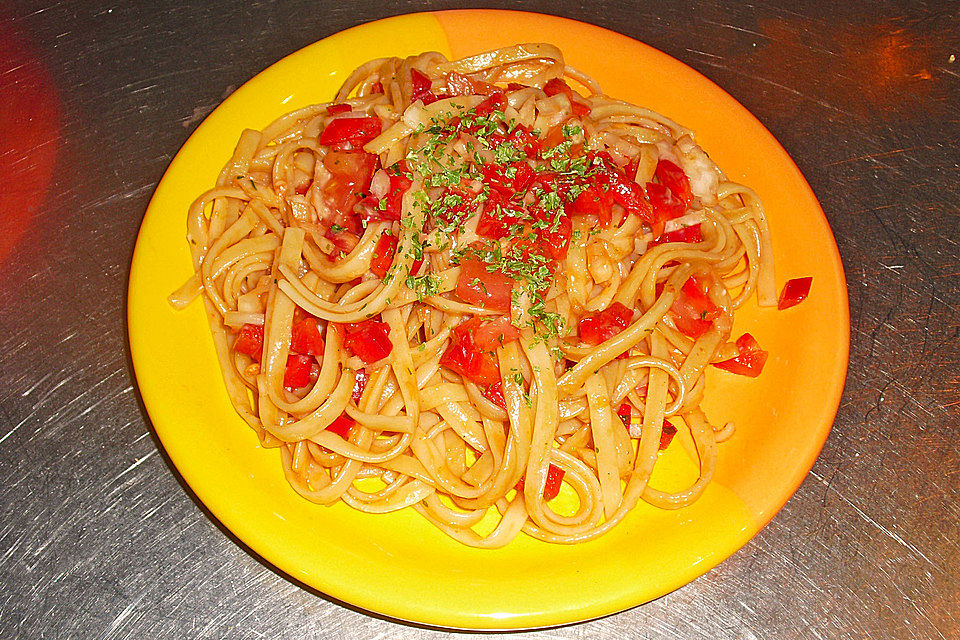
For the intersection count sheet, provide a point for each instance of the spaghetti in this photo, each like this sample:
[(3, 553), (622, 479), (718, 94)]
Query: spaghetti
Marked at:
[(463, 285)]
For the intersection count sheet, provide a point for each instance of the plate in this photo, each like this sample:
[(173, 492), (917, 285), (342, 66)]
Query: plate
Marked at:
[(398, 565)]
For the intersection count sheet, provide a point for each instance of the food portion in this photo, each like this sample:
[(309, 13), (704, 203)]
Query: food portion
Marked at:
[(481, 289)]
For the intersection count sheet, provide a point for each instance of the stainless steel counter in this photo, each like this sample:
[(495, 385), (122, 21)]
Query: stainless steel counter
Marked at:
[(100, 539)]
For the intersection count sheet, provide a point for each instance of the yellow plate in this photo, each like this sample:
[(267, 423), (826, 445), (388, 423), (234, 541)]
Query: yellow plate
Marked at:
[(399, 565)]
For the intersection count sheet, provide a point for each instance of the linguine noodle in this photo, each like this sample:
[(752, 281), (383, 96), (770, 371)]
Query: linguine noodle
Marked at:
[(463, 286)]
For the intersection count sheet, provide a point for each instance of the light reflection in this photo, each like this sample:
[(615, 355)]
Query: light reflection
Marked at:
[(29, 134)]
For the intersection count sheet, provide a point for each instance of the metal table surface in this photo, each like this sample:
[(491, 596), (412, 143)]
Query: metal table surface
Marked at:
[(100, 539)]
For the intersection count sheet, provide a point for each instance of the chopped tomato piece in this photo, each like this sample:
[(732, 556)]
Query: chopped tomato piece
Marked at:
[(305, 337), (376, 87), (749, 360), (596, 328), (666, 435), (794, 292), (369, 339), (383, 255), (495, 223), (693, 311), (476, 285), (496, 102), (342, 426), (356, 131), (556, 237), (508, 179), (554, 479), (339, 108), (250, 341), (684, 234), (665, 205), (490, 333), (359, 384), (594, 201), (422, 87), (625, 192), (551, 488), (297, 373), (494, 393), (673, 178), (350, 173), (471, 349)]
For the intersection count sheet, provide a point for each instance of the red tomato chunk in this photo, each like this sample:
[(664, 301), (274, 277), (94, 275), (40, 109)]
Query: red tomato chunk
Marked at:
[(471, 350), (305, 337), (383, 255), (476, 285), (297, 373), (356, 131), (370, 339), (693, 311), (794, 292), (342, 426), (551, 488), (250, 341), (596, 328), (749, 360)]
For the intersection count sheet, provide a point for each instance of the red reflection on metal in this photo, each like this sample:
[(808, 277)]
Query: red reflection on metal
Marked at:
[(884, 69), (29, 134)]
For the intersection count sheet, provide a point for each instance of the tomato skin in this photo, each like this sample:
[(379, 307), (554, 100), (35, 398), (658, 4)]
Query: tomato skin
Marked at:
[(597, 328), (250, 341), (749, 360), (665, 205), (692, 311), (383, 255), (422, 87), (673, 178), (305, 337), (342, 426), (493, 291), (297, 373), (356, 131), (494, 393), (794, 292), (461, 85)]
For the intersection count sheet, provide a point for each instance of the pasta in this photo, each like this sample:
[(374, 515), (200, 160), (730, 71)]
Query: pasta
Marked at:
[(464, 286)]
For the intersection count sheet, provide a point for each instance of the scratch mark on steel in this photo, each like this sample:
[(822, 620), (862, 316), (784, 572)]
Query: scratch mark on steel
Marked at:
[(34, 386), (882, 528), (134, 465)]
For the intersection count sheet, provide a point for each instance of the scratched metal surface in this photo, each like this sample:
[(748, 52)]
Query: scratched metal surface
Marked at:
[(99, 539)]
